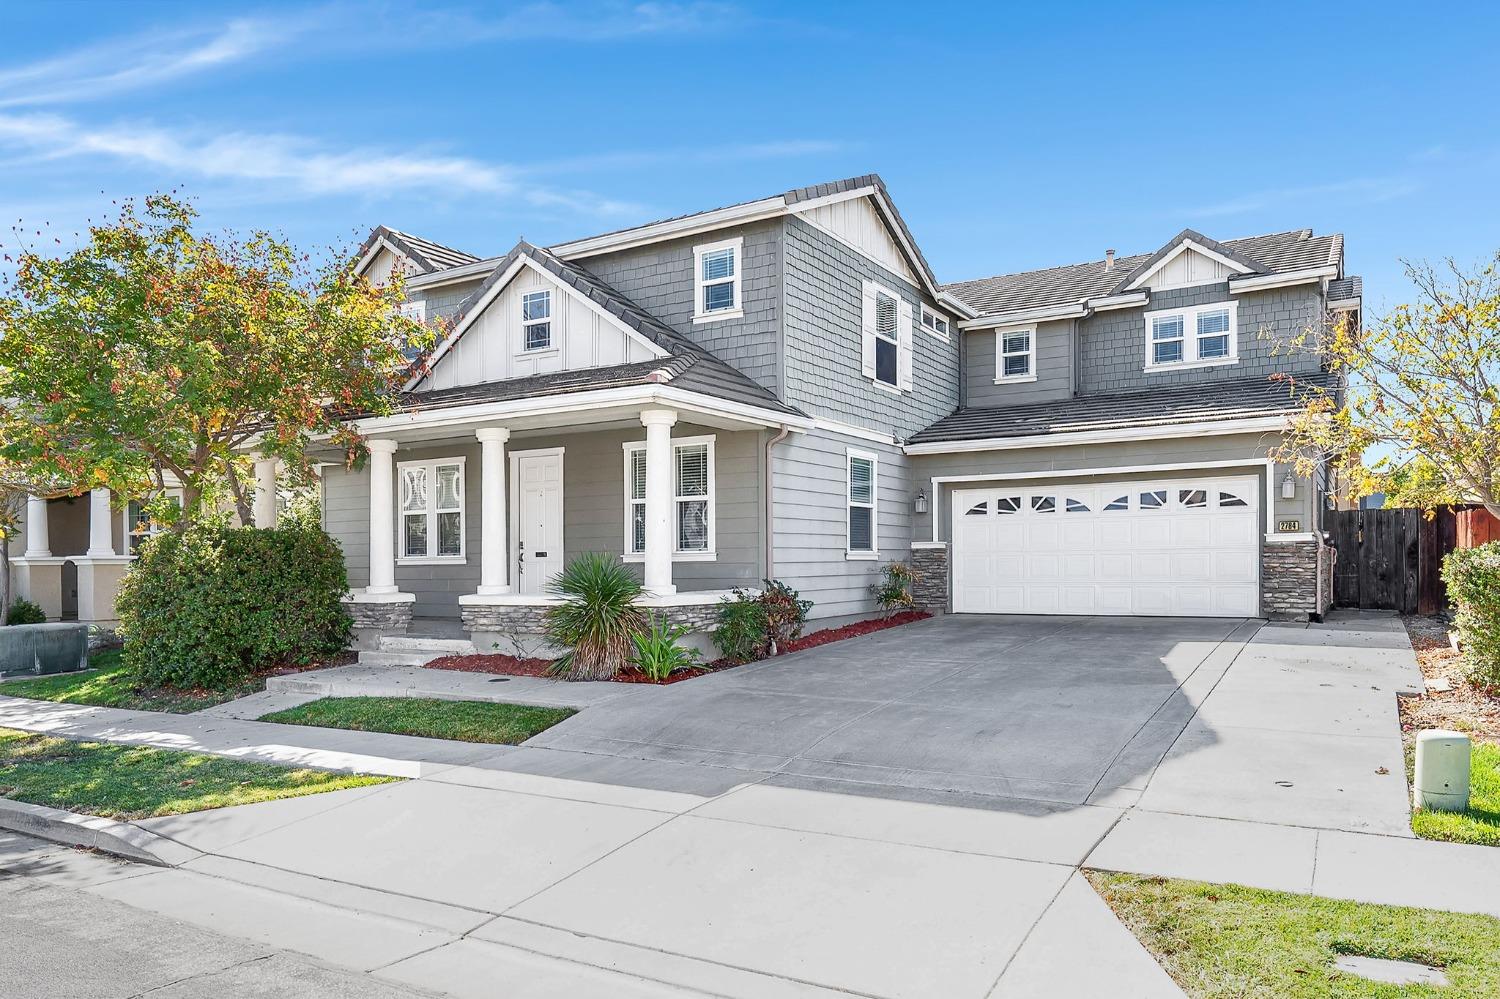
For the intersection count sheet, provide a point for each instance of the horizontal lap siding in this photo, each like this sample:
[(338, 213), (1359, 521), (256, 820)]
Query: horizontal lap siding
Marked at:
[(810, 530), (346, 517)]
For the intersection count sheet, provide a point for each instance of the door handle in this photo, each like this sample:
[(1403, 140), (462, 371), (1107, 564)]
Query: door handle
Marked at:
[(539, 555)]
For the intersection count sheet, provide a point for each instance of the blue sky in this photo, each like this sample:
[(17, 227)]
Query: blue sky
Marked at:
[(1010, 138)]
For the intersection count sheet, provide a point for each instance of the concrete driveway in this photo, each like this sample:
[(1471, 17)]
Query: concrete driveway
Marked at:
[(1054, 709)]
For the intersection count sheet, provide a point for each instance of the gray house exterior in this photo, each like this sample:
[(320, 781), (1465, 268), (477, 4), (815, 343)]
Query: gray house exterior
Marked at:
[(781, 388)]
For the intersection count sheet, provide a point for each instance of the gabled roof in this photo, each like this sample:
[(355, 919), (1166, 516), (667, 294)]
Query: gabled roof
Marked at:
[(683, 363), (1057, 286), (1237, 399), (1247, 264), (427, 255)]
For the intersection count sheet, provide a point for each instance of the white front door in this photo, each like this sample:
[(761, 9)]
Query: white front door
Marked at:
[(537, 504), (1188, 547)]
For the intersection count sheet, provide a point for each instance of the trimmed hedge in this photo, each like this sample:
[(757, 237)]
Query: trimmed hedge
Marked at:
[(1473, 578), (210, 606)]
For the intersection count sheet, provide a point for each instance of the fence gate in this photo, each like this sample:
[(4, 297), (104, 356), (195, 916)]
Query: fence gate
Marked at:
[(1379, 559)]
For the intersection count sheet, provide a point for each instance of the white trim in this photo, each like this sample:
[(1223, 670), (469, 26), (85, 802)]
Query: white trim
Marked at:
[(1191, 338), (1287, 539), (913, 258), (872, 323), (958, 305), (874, 505), (1343, 304), (1105, 436), (454, 275), (431, 513), (711, 554), (513, 534), (832, 199), (672, 228), (924, 312), (125, 525), (852, 248), (494, 291), (1261, 282), (1182, 247), (1001, 378), (918, 546), (550, 320), (1128, 300), (380, 244), (1020, 317), (849, 430), (736, 280)]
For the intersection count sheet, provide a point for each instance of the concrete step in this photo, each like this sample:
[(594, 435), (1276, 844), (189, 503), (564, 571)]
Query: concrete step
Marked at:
[(379, 657), (422, 643)]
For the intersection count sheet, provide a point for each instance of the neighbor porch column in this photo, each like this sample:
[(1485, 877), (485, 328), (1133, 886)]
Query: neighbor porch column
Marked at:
[(658, 555), (101, 541), (494, 577), (382, 518), (264, 512), (37, 543)]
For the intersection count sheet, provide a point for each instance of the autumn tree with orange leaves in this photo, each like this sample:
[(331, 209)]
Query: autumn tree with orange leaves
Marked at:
[(154, 351)]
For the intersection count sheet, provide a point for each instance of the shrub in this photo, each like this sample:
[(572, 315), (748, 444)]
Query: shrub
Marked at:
[(209, 606), (598, 619), (893, 592), (754, 625), (657, 653), (23, 611), (741, 633), (1473, 578)]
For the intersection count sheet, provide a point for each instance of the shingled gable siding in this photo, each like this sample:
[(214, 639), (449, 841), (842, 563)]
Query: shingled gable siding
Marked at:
[(824, 281), (593, 512), (810, 493), (1113, 344), (659, 278), (1053, 368), (443, 302)]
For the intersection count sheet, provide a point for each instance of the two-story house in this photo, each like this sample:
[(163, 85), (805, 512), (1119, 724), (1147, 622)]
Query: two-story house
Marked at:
[(781, 388)]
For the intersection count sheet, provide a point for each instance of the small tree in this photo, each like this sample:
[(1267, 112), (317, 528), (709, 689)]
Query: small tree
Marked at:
[(155, 350), (1423, 385)]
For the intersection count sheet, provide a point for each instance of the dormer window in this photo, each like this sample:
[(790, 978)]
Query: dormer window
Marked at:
[(1015, 355), (1200, 336), (716, 280), (536, 320)]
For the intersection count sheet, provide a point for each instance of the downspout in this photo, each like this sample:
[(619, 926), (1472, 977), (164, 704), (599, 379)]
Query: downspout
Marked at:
[(770, 512)]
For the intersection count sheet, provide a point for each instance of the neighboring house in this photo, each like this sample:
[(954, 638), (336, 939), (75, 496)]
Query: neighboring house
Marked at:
[(782, 388)]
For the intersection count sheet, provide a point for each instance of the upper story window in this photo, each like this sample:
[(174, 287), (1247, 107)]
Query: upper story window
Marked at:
[(861, 540), (886, 334), (935, 323), (1200, 336), (536, 320), (432, 510), (1015, 355), (717, 292), (692, 499), (414, 310)]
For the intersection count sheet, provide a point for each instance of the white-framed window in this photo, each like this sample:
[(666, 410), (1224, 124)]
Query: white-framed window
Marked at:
[(414, 310), (887, 338), (536, 320), (1200, 336), (716, 280), (692, 499), (431, 523), (139, 527), (862, 539), (1015, 354), (935, 323)]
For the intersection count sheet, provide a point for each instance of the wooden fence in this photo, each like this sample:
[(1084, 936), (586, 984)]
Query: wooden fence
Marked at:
[(1392, 559)]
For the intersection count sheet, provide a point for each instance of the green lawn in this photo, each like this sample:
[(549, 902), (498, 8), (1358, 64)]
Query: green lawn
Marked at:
[(1481, 823), (106, 685), (136, 782), (465, 721), (1225, 940)]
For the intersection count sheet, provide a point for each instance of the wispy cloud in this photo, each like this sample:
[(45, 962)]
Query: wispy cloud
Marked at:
[(1363, 190), (585, 22), (733, 152), (119, 67)]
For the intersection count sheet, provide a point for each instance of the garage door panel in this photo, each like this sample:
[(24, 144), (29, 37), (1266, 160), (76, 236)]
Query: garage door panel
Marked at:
[(1175, 547)]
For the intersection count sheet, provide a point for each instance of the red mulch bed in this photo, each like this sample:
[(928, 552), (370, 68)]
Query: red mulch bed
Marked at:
[(506, 665)]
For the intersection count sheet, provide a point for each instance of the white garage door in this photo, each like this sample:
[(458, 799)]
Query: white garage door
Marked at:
[(1185, 547)]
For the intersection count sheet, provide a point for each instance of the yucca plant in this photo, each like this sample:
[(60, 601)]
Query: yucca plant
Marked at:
[(598, 618), (657, 653)]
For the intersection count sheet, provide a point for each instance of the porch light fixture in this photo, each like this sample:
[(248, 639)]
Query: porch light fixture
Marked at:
[(1288, 487), (920, 503)]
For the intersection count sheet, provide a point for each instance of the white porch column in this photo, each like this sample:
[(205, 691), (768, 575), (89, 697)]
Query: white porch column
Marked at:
[(264, 511), (494, 557), (38, 544), (382, 518), (101, 540), (659, 543)]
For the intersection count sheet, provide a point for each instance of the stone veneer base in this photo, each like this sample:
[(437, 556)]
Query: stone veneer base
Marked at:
[(930, 562), (1290, 572)]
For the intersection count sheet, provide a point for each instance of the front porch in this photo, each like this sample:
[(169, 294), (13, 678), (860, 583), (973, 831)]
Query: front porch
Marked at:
[(461, 520)]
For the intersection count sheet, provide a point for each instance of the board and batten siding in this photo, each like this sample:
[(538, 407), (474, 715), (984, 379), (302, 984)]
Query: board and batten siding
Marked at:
[(857, 223), (493, 348), (593, 512), (810, 527), (659, 278), (1052, 364), (824, 337)]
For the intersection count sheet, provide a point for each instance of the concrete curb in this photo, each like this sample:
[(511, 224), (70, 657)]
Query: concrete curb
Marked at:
[(94, 833)]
